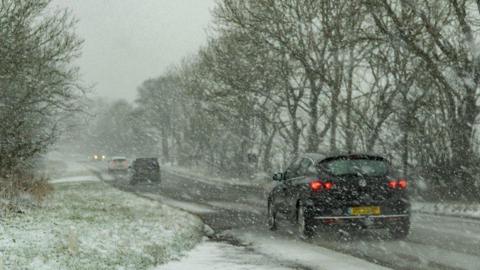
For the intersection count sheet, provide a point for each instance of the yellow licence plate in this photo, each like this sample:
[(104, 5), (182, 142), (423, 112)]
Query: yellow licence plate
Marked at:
[(365, 210)]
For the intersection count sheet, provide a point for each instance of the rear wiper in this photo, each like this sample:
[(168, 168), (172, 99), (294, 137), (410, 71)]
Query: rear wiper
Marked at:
[(350, 174)]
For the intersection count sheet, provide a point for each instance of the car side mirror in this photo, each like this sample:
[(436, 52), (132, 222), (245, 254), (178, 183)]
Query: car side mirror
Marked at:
[(278, 177)]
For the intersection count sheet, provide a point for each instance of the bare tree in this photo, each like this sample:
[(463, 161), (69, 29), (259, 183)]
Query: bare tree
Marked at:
[(38, 84), (440, 34)]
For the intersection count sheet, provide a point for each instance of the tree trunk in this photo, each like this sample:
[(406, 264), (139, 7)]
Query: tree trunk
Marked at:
[(333, 120), (337, 84), (165, 146), (267, 154), (296, 141), (349, 135), (462, 148), (313, 135)]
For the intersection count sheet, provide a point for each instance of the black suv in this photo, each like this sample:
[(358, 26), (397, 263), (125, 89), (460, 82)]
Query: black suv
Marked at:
[(145, 169), (349, 191)]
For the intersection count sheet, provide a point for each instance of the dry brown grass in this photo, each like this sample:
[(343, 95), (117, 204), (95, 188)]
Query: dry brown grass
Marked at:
[(18, 191)]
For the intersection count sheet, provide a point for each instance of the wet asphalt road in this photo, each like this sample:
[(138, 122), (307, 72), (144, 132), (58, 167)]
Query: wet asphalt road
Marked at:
[(434, 242), (233, 207)]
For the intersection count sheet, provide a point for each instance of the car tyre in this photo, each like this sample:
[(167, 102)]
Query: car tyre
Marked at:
[(399, 231), (304, 222), (133, 181), (271, 218)]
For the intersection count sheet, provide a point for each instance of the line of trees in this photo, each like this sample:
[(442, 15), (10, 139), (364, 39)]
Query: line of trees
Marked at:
[(281, 77), (38, 84), (115, 129)]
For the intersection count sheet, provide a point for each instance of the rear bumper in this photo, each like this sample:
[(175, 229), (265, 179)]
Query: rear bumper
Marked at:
[(144, 177), (329, 208), (373, 222), (361, 217), (327, 211)]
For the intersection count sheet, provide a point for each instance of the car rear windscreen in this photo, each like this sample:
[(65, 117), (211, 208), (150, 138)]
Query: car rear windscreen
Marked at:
[(146, 163), (357, 166)]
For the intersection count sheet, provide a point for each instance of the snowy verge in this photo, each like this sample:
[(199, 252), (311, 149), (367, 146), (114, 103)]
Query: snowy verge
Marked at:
[(92, 225), (202, 176), (69, 179), (462, 210), (261, 252), (59, 168), (195, 208), (307, 255), (221, 256)]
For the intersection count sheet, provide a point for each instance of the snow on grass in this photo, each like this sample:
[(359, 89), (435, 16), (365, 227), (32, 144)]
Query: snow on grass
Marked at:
[(202, 175), (220, 256), (196, 208), (75, 179), (236, 206), (94, 226), (468, 210), (308, 255), (65, 168)]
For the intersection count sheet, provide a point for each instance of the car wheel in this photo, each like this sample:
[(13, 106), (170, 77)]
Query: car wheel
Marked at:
[(399, 231), (271, 218), (304, 224)]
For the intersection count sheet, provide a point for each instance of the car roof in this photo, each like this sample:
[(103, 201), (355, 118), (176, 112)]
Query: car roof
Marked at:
[(322, 156), (315, 156), (147, 158), (118, 157)]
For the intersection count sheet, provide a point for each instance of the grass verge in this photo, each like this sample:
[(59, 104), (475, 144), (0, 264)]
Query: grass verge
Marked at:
[(94, 226)]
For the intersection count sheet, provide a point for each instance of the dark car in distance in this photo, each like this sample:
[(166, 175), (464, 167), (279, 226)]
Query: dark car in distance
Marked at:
[(351, 191), (145, 170)]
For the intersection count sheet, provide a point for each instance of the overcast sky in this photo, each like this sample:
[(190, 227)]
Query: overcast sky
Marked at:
[(128, 41)]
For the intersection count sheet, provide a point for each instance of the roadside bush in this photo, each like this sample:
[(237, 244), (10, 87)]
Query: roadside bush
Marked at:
[(18, 192), (38, 80)]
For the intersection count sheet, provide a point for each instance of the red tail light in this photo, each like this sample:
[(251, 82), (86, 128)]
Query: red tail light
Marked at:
[(328, 185), (392, 184), (319, 185), (400, 184), (316, 185)]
